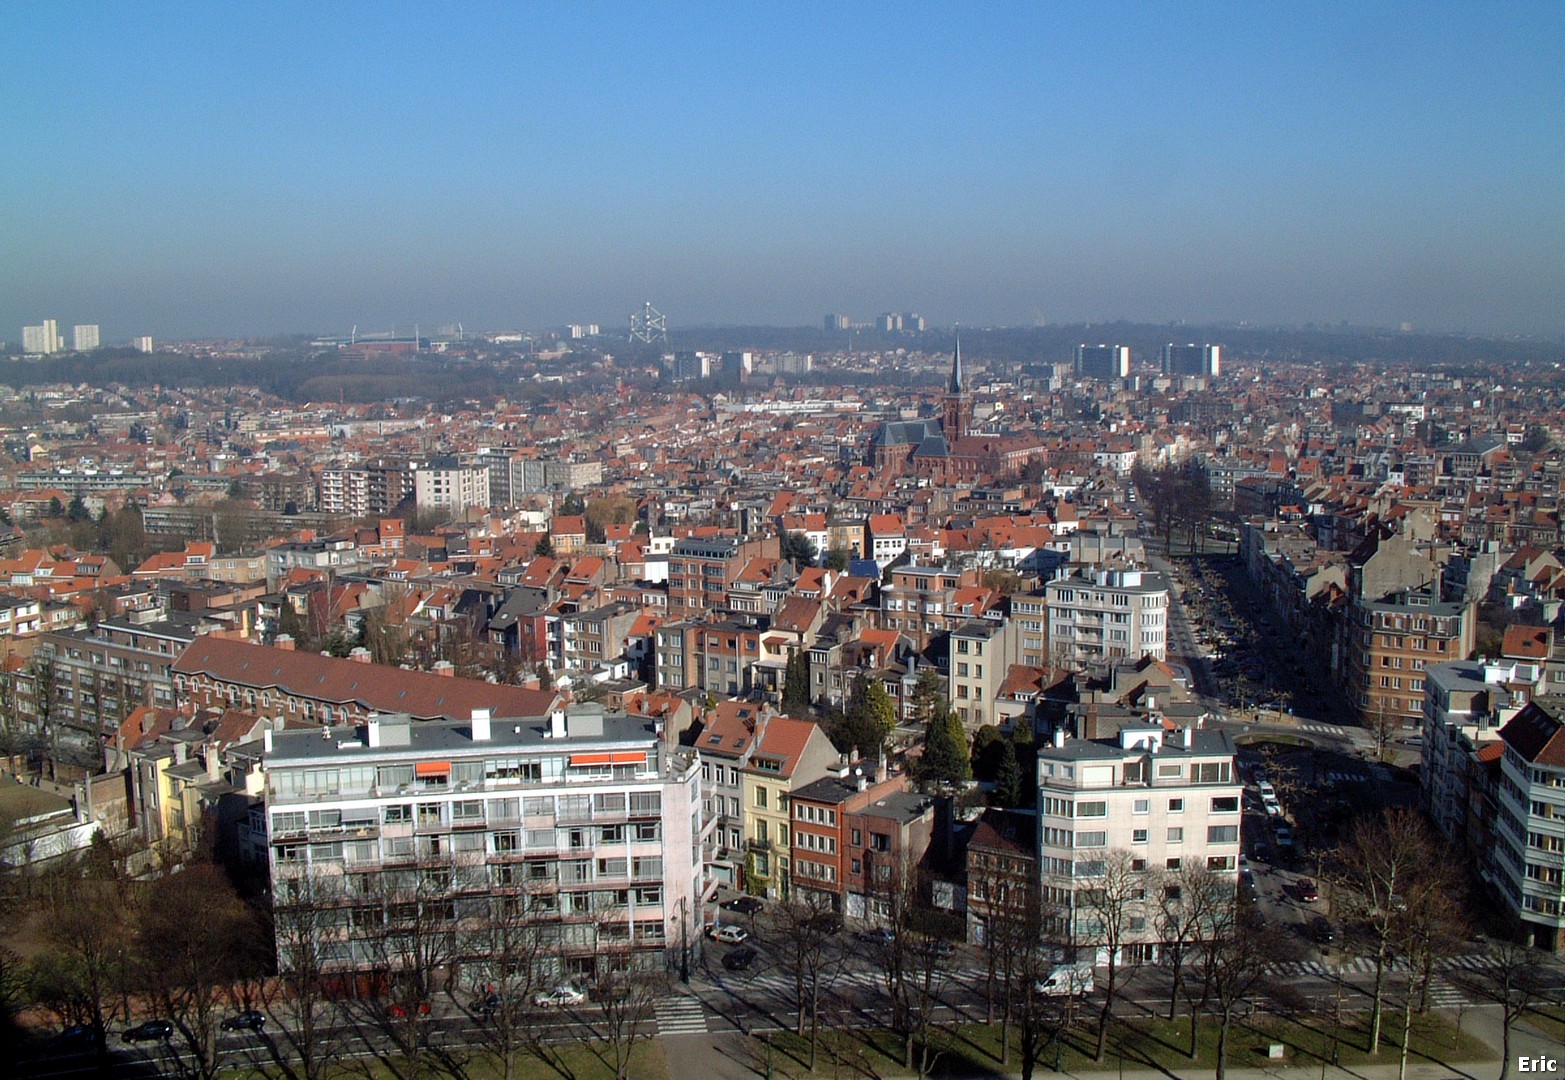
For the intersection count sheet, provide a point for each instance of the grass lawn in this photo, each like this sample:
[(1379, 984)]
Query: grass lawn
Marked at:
[(575, 1061), (1548, 1020), (1140, 1043)]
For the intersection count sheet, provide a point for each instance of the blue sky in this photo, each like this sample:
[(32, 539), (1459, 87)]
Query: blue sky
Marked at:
[(250, 169)]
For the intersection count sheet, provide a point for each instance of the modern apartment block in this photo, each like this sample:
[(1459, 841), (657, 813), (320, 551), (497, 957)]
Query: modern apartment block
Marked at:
[(373, 489), (1096, 615), (700, 572), (1465, 704), (1193, 359), (1530, 867), (588, 819), (84, 338), (1105, 362), (446, 483), (1156, 801)]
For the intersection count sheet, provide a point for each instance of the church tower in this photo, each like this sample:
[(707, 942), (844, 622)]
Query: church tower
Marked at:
[(957, 411)]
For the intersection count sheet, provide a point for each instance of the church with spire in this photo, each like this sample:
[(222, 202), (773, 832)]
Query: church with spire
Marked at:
[(947, 449)]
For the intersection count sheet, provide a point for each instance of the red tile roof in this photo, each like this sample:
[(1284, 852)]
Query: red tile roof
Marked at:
[(374, 687)]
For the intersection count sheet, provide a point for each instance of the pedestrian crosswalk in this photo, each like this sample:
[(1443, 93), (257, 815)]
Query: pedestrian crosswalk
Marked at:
[(680, 1015), (1324, 729), (1353, 965), (1442, 995), (1347, 778)]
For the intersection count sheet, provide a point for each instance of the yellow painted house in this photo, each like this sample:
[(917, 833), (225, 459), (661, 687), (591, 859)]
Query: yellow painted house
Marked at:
[(788, 754)]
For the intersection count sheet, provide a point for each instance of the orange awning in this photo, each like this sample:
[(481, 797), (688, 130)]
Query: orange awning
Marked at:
[(432, 768), (578, 760)]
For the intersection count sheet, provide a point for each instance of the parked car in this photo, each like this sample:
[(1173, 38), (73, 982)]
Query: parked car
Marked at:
[(149, 1031), (744, 905), (77, 1036), (876, 935), (249, 1020), (1321, 931), (728, 935), (739, 959), (1066, 980), (1263, 851), (826, 922), (560, 996), (1284, 836), (1272, 807), (1307, 891)]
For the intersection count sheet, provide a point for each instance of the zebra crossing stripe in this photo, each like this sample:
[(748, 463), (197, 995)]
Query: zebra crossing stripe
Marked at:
[(681, 1016)]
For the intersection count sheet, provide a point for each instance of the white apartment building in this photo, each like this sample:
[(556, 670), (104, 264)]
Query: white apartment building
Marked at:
[(1530, 833), (43, 339), (1096, 615), (84, 337), (588, 818), (1164, 801), (447, 484), (1465, 704)]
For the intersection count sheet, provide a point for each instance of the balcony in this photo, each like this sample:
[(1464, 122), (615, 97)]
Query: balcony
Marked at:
[(759, 845)]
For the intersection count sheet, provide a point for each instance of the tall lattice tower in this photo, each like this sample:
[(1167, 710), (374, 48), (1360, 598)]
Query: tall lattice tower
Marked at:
[(649, 326)]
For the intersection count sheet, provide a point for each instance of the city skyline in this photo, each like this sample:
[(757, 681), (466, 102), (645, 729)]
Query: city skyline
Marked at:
[(233, 172)]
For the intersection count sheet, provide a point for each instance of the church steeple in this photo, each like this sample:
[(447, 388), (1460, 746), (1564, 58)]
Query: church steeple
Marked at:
[(955, 413)]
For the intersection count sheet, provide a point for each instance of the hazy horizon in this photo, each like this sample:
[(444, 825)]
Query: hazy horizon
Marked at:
[(235, 171)]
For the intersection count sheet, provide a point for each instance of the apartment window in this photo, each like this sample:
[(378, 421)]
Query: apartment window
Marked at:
[(1142, 806), (1176, 835), (1092, 809), (1176, 806), (1225, 804), (1138, 836), (1171, 864), (1092, 839), (760, 797), (1222, 834)]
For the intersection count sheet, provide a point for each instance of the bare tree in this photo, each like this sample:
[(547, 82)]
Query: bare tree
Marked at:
[(86, 964), (1007, 895), (804, 926), (310, 915), (191, 933), (1383, 862), (626, 989), (1426, 928), (1109, 913), (1510, 975), (504, 953), (1238, 961), (1192, 902), (914, 965)]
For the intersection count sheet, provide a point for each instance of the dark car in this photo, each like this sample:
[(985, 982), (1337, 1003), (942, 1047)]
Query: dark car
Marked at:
[(826, 922), (739, 959), (878, 935), (1321, 931), (744, 905), (149, 1031), (249, 1020), (77, 1036), (1307, 891)]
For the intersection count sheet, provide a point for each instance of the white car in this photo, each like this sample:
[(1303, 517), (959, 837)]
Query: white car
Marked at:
[(559, 996), (1267, 791), (1272, 807), (728, 935)]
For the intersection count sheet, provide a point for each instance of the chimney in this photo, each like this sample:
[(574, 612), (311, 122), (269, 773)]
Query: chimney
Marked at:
[(214, 766), (1188, 736), (1151, 703), (445, 668), (266, 740), (179, 753), (283, 641), (1059, 737), (557, 724), (372, 732), (359, 655), (480, 725)]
